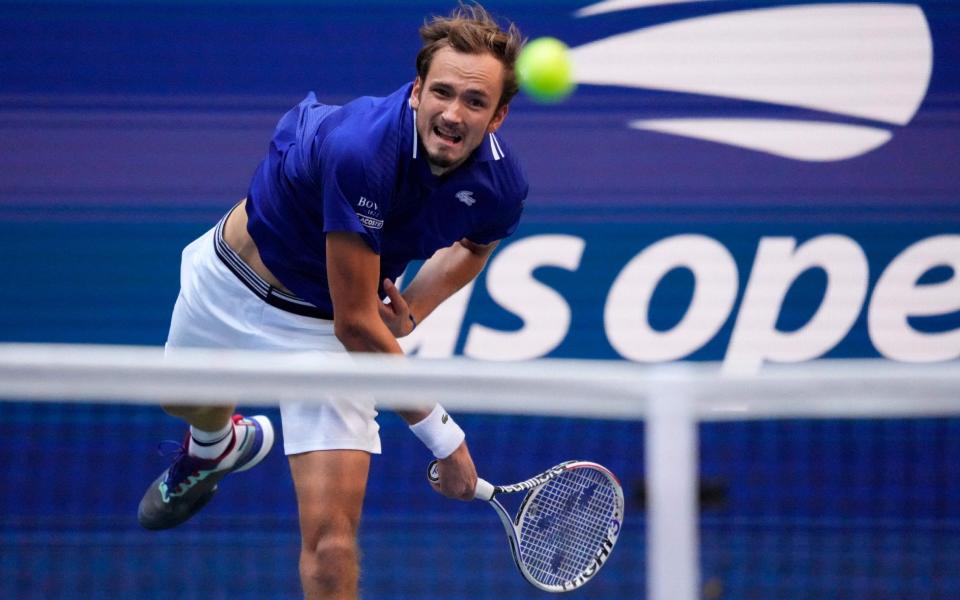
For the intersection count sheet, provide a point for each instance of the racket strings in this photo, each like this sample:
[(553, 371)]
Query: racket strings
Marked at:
[(565, 524)]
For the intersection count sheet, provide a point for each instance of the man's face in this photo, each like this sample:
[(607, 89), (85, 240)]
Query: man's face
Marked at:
[(457, 105)]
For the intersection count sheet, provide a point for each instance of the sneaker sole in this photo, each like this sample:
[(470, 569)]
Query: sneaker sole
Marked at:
[(162, 524), (268, 436)]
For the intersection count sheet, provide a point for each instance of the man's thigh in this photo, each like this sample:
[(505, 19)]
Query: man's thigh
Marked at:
[(330, 486)]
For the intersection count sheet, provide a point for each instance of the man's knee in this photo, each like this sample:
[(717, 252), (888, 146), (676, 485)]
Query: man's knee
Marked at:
[(330, 487), (330, 565)]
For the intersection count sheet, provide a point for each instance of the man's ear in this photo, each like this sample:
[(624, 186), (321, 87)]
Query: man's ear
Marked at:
[(498, 117), (415, 93)]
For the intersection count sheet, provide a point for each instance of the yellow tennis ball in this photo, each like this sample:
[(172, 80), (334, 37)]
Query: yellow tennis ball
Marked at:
[(545, 71)]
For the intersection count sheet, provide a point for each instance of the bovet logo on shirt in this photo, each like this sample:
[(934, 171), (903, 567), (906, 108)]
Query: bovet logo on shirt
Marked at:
[(370, 217)]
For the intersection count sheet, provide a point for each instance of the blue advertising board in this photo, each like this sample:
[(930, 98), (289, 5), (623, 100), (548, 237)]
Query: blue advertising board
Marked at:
[(733, 181)]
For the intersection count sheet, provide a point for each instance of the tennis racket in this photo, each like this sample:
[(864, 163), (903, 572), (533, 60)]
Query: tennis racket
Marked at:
[(566, 526)]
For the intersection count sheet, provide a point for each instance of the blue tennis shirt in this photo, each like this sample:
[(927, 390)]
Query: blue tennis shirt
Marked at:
[(360, 168)]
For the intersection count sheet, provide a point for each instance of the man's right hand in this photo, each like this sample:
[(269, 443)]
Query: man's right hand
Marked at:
[(458, 475)]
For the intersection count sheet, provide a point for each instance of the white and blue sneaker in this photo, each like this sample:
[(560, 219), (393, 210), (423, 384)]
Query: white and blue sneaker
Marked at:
[(190, 482)]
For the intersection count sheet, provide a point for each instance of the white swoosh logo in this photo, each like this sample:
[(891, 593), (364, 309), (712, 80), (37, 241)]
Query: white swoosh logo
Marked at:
[(871, 61), (615, 5), (800, 140)]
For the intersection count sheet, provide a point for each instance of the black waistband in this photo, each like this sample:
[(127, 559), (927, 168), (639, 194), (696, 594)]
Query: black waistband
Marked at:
[(268, 293)]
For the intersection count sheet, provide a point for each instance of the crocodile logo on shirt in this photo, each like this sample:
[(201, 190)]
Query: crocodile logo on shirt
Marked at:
[(466, 197)]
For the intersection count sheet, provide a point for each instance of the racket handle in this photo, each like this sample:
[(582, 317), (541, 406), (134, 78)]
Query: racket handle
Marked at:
[(484, 490)]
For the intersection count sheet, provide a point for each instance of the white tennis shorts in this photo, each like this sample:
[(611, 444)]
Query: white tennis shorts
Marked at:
[(215, 309)]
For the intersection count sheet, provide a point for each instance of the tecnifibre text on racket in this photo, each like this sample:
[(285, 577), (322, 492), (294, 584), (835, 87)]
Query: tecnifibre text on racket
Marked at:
[(566, 526)]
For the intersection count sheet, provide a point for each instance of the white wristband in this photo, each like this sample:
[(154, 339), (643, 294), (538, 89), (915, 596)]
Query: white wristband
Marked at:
[(439, 433)]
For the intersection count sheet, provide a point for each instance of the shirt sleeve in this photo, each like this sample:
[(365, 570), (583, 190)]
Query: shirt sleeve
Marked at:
[(348, 202)]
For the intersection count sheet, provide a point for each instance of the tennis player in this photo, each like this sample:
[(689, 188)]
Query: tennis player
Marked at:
[(345, 198)]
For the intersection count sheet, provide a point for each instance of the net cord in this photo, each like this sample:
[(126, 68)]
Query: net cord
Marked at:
[(615, 389)]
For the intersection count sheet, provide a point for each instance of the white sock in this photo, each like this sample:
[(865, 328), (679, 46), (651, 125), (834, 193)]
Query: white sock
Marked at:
[(210, 444)]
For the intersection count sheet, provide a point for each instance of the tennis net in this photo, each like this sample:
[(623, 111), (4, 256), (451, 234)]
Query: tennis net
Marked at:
[(835, 479)]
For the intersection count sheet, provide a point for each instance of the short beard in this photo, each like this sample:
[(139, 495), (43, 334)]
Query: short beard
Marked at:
[(443, 163)]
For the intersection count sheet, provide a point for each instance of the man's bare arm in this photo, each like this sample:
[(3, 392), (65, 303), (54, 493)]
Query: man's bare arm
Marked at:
[(353, 271), (444, 274)]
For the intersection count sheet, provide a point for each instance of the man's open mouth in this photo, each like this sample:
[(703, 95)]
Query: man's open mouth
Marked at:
[(447, 135)]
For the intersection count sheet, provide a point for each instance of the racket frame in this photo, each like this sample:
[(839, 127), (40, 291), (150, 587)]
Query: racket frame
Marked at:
[(488, 492)]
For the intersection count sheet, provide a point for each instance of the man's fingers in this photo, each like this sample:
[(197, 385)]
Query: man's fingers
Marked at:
[(397, 303), (464, 491), (396, 298), (459, 490), (456, 475)]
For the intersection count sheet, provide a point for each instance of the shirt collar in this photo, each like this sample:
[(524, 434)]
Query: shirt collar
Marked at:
[(490, 148)]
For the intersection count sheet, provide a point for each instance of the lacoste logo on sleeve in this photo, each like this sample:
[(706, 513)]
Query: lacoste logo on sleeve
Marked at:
[(370, 217)]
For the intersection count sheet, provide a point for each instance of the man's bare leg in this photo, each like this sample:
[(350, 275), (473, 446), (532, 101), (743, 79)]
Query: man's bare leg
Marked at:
[(330, 486), (207, 418)]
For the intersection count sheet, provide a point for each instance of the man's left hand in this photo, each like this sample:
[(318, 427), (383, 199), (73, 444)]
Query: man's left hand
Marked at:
[(396, 315)]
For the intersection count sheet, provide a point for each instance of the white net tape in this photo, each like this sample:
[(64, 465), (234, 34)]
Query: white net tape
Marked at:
[(596, 389)]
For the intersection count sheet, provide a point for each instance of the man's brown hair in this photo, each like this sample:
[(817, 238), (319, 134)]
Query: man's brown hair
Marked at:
[(472, 30)]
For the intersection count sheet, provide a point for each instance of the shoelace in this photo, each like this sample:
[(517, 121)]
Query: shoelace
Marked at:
[(167, 448), (181, 467)]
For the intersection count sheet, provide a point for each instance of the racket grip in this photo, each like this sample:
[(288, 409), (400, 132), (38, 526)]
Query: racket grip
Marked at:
[(484, 490)]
